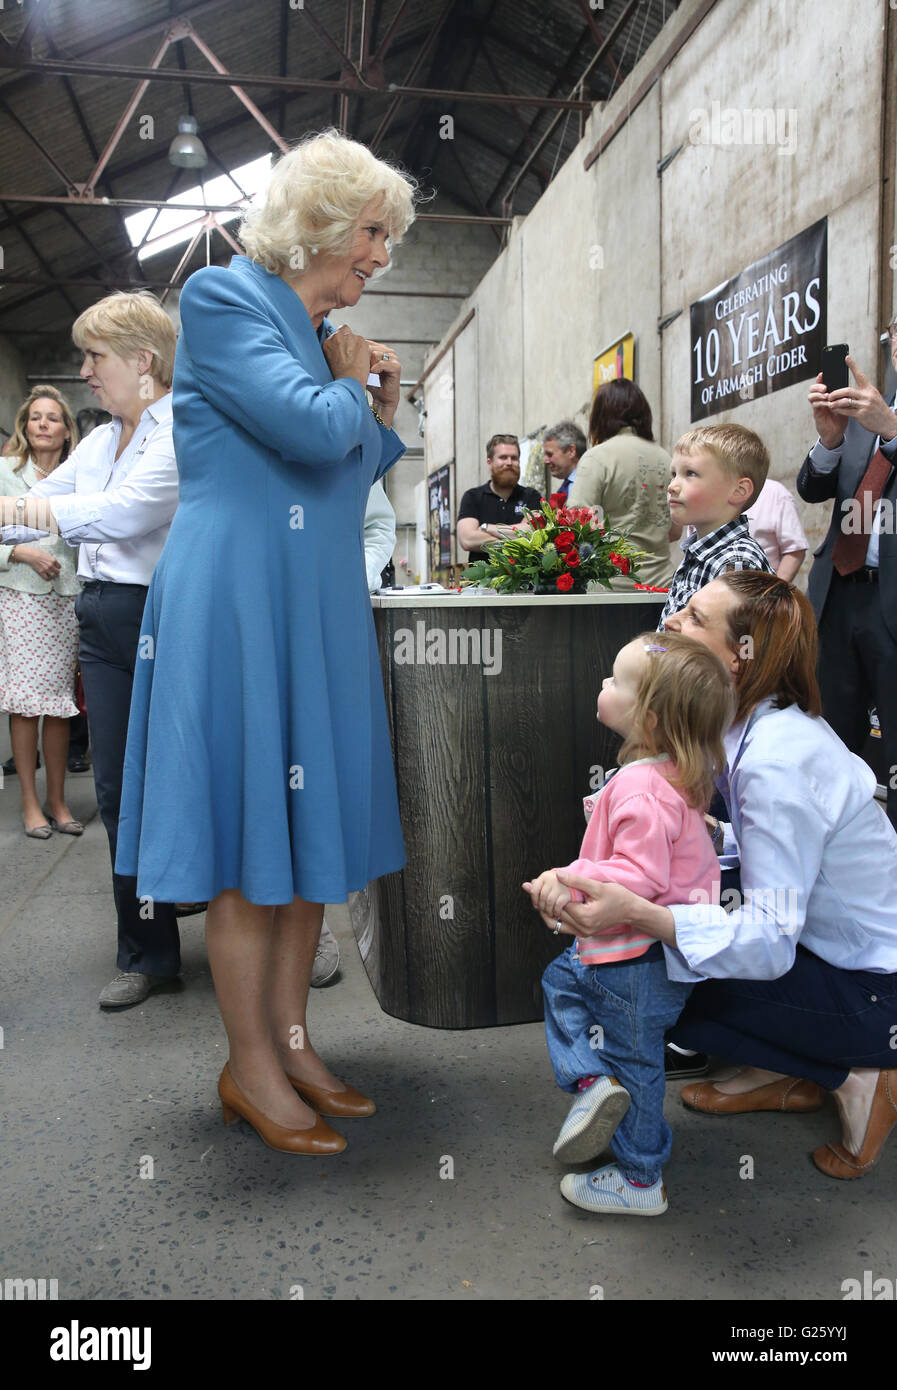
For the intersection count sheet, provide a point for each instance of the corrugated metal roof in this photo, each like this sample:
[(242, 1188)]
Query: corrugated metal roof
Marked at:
[(525, 47)]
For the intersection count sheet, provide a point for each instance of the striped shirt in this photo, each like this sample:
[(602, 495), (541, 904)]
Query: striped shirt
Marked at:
[(730, 546)]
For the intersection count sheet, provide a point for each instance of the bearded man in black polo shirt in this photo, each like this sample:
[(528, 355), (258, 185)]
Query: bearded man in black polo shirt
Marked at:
[(494, 511)]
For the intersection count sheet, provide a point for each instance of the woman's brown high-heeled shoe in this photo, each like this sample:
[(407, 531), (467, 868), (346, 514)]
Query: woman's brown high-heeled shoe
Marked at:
[(346, 1105), (837, 1162), (320, 1139)]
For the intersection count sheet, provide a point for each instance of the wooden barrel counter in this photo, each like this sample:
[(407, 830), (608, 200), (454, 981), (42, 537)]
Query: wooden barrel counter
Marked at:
[(491, 705)]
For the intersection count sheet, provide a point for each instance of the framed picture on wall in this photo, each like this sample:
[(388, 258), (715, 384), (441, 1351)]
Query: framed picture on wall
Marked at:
[(439, 531), (615, 361)]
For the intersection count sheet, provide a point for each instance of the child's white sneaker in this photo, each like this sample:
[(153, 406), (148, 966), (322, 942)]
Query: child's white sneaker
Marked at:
[(607, 1190), (593, 1118)]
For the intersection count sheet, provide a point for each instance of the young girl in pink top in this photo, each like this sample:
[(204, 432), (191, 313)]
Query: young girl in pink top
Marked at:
[(608, 1000)]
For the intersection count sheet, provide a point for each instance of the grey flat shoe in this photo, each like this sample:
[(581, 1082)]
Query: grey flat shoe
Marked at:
[(65, 827), (130, 987), (326, 958), (39, 832)]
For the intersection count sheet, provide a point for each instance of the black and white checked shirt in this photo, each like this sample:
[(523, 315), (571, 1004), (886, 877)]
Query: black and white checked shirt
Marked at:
[(730, 546)]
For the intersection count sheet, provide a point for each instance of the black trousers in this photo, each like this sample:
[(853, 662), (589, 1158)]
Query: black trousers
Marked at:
[(78, 735), (109, 617), (858, 669)]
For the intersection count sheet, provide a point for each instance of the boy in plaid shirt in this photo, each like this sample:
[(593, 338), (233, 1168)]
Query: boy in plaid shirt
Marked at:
[(716, 474)]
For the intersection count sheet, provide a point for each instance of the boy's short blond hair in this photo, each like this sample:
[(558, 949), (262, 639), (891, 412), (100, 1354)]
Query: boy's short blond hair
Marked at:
[(739, 452), (130, 321)]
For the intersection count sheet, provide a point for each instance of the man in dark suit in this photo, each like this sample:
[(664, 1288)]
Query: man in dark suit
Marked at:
[(853, 582)]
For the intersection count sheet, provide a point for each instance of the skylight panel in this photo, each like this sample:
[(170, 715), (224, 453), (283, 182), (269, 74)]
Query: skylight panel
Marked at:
[(172, 225)]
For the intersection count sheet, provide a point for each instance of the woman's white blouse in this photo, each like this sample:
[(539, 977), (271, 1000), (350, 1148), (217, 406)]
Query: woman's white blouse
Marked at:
[(19, 575), (117, 510), (818, 859)]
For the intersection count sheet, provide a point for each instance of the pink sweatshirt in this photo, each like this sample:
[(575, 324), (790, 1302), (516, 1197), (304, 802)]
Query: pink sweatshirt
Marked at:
[(644, 836)]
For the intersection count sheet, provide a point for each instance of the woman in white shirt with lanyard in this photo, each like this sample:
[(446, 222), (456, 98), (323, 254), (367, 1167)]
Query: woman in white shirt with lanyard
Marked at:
[(114, 498), (799, 982)]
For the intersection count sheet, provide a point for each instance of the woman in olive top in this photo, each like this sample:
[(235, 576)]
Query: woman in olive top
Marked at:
[(38, 627), (626, 474)]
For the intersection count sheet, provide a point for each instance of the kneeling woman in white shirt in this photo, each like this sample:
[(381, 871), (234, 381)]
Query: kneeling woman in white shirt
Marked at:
[(799, 982), (114, 498)]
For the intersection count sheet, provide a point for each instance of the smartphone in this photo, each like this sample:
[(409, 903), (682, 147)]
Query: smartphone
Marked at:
[(834, 367)]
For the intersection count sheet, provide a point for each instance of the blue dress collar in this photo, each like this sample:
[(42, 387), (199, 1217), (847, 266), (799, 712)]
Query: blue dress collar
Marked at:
[(287, 300)]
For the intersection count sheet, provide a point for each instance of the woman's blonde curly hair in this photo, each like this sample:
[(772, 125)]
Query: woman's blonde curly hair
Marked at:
[(315, 196)]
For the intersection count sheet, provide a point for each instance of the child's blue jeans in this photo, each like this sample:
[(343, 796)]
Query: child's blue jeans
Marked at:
[(609, 1020)]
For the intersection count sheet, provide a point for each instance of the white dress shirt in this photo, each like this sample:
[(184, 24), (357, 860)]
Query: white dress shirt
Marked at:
[(818, 858), (824, 460), (379, 535), (117, 510)]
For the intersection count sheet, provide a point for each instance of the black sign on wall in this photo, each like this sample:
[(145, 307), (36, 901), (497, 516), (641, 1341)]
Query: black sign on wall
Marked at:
[(762, 330)]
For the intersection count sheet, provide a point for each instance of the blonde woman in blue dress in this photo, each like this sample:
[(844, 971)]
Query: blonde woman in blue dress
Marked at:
[(258, 774), (38, 627)]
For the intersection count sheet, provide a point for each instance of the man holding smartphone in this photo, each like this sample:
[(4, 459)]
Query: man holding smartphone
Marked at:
[(853, 582)]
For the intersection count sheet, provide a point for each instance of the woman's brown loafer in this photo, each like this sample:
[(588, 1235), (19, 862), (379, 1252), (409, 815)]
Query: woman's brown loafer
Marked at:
[(789, 1094), (837, 1162)]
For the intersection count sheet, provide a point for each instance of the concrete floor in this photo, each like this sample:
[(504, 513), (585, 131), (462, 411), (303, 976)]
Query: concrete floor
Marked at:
[(86, 1095)]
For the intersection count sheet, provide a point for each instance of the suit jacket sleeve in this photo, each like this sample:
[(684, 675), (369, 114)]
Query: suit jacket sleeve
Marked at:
[(817, 487)]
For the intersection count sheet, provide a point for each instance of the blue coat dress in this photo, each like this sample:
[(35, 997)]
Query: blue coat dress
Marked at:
[(258, 753)]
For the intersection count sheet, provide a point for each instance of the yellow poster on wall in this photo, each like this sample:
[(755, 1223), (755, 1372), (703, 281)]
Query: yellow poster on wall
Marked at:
[(615, 361)]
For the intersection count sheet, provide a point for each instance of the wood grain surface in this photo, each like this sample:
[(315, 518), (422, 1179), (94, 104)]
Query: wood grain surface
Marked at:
[(491, 770)]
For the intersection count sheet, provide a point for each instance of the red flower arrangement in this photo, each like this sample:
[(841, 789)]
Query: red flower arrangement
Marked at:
[(560, 549)]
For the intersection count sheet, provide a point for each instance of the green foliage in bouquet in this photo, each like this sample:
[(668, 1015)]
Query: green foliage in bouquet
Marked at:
[(566, 552)]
